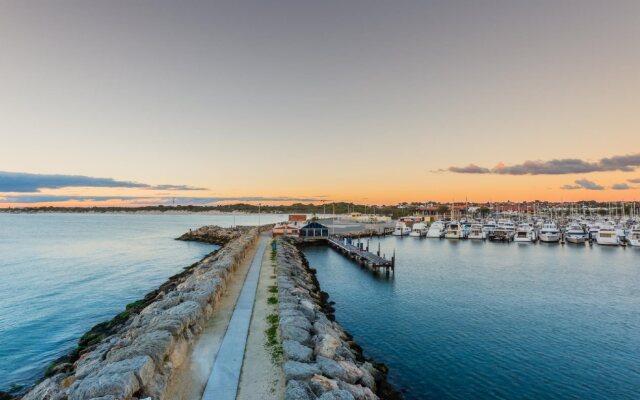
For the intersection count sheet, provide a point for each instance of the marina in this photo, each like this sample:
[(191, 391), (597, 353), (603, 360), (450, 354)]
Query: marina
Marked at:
[(471, 319)]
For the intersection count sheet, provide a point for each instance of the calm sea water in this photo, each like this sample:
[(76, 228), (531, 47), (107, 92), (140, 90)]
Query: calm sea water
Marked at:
[(470, 320), (60, 274)]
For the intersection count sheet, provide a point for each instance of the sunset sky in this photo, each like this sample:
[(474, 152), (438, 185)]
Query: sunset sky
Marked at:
[(141, 102)]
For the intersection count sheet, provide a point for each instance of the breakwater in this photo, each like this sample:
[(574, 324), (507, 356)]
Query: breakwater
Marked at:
[(135, 354), (321, 359)]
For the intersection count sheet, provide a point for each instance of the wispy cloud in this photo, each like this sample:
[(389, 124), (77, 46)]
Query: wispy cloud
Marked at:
[(175, 187), (621, 186), (470, 169), (634, 180), (164, 200), (21, 182), (556, 166), (583, 184)]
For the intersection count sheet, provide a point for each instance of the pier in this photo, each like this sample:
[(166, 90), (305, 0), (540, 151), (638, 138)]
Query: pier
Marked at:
[(362, 256)]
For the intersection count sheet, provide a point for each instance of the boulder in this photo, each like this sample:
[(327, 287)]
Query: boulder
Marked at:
[(331, 368), (358, 392), (298, 390), (321, 384), (326, 346), (297, 370), (337, 395), (296, 351), (291, 332)]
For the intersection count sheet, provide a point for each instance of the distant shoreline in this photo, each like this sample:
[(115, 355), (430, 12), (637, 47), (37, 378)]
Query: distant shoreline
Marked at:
[(142, 212)]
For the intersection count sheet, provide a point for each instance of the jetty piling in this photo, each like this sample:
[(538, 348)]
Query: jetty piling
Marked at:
[(362, 256)]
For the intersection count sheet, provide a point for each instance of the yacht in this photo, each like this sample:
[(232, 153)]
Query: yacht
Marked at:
[(592, 230), (504, 232), (633, 237), (401, 229), (575, 233), (454, 231), (488, 227), (525, 233), (419, 230), (436, 230), (476, 232), (549, 232), (607, 235)]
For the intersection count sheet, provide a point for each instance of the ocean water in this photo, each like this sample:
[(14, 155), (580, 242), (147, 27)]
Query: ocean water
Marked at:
[(60, 274), (481, 320)]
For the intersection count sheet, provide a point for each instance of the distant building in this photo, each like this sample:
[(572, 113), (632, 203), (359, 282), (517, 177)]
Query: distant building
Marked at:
[(314, 230), (297, 217), (286, 230)]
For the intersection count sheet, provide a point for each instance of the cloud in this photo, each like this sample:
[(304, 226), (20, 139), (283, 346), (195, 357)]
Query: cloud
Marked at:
[(621, 186), (470, 169), (635, 180), (21, 182), (164, 200), (557, 166), (175, 187), (570, 187), (583, 184)]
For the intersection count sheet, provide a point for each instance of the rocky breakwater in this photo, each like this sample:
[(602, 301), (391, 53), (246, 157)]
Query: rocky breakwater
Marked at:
[(213, 234), (137, 360), (321, 360)]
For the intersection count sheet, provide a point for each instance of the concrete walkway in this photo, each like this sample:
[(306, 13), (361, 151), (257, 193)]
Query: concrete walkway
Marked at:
[(225, 375)]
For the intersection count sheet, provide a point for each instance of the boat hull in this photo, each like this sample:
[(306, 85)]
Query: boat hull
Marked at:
[(576, 239), (549, 237)]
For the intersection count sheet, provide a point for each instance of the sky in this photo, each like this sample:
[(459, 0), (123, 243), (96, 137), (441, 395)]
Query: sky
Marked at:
[(375, 102)]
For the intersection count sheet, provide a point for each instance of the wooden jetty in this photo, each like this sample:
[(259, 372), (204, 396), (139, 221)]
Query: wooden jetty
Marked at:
[(362, 256)]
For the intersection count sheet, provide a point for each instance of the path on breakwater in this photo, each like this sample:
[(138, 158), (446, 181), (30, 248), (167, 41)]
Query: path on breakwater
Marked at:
[(225, 376)]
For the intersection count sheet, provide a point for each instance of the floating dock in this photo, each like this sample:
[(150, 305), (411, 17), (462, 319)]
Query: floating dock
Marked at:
[(362, 256)]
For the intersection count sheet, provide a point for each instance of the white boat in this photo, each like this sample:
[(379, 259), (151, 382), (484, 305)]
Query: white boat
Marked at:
[(477, 233), (401, 229), (592, 230), (633, 237), (607, 235), (436, 230), (575, 233), (525, 234), (419, 230), (454, 231), (505, 231), (488, 227), (549, 233)]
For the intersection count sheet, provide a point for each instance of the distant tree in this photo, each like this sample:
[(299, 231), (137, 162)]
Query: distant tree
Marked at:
[(442, 209)]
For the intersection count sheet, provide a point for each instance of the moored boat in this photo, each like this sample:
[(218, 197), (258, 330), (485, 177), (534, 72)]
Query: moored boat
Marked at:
[(401, 229), (607, 235), (549, 233), (419, 229), (454, 231), (633, 237), (436, 230), (525, 234), (476, 232), (575, 233)]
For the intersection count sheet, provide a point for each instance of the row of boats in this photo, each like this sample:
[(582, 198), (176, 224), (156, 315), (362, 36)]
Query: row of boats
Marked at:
[(604, 232)]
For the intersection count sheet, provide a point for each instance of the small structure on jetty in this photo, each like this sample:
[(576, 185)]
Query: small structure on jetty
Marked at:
[(314, 230), (362, 256)]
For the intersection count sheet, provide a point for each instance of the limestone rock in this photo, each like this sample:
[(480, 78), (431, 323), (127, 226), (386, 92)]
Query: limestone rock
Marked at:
[(298, 390), (296, 351), (321, 384), (337, 395), (290, 332), (297, 370)]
